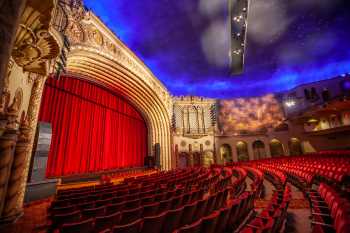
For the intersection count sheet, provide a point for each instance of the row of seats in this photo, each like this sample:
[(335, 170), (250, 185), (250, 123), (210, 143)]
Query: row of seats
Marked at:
[(110, 191), (257, 177), (225, 219), (327, 167), (219, 179), (330, 211), (165, 221)]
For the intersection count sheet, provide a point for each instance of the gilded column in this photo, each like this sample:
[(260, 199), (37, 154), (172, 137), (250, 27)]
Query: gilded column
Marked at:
[(22, 149), (15, 196), (7, 145)]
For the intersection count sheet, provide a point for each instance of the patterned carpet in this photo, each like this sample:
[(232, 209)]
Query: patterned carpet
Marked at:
[(34, 217)]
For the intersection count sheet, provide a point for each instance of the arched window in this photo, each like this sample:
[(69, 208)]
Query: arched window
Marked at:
[(276, 148), (226, 153), (242, 151), (259, 150), (295, 146)]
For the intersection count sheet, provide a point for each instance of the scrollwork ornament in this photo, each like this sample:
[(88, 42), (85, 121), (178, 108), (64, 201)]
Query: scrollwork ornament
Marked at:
[(14, 108)]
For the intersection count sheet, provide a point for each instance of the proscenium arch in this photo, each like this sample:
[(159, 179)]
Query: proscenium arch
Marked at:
[(95, 67)]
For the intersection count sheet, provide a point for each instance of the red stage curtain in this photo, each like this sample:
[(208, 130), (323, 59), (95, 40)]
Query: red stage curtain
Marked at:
[(92, 128)]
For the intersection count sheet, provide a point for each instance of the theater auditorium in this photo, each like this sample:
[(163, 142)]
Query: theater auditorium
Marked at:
[(174, 116)]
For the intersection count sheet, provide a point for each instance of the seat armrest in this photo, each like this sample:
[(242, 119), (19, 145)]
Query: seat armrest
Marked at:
[(320, 206), (321, 224), (318, 201), (252, 226), (320, 214)]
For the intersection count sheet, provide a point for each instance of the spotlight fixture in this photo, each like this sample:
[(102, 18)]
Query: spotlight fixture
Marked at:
[(238, 14)]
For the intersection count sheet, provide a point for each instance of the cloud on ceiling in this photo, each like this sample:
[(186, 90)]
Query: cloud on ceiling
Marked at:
[(267, 20), (211, 8), (215, 43)]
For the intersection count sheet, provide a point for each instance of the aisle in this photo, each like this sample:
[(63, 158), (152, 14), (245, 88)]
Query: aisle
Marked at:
[(298, 214), (298, 210)]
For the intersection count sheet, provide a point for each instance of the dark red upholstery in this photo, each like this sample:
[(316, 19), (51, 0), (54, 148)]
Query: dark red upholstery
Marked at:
[(153, 224), (172, 220), (86, 226), (133, 227), (108, 221)]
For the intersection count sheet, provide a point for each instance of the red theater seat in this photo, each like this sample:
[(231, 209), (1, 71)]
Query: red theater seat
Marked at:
[(200, 210), (133, 227), (153, 224), (192, 228), (151, 209), (85, 226), (94, 212), (188, 214), (209, 222), (172, 220), (113, 208), (132, 215), (60, 219), (108, 221)]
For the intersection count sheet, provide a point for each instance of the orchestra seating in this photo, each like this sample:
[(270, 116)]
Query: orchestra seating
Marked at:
[(330, 202), (211, 200)]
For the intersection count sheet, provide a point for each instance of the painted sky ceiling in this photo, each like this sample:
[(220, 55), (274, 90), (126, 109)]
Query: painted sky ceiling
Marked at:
[(185, 42)]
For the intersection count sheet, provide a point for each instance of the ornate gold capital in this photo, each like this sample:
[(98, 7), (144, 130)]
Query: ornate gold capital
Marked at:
[(35, 45)]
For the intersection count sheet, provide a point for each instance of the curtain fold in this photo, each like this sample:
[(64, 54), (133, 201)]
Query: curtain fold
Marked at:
[(93, 129)]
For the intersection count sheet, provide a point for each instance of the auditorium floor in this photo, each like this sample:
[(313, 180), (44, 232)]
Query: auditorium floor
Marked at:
[(34, 217)]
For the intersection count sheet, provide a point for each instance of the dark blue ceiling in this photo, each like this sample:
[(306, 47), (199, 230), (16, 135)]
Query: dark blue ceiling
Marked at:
[(185, 42)]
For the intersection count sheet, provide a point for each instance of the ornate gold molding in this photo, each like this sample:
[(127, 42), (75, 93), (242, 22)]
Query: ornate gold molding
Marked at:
[(35, 46), (88, 33)]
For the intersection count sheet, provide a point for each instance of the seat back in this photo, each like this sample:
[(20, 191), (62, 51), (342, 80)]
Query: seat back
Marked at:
[(219, 200), (85, 226), (176, 202), (150, 209), (209, 222), (223, 219), (147, 200), (211, 204), (108, 221), (132, 215), (63, 210), (200, 210), (193, 228), (153, 224), (132, 204), (115, 207), (94, 212), (133, 227), (172, 220), (164, 205), (60, 219), (188, 213)]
